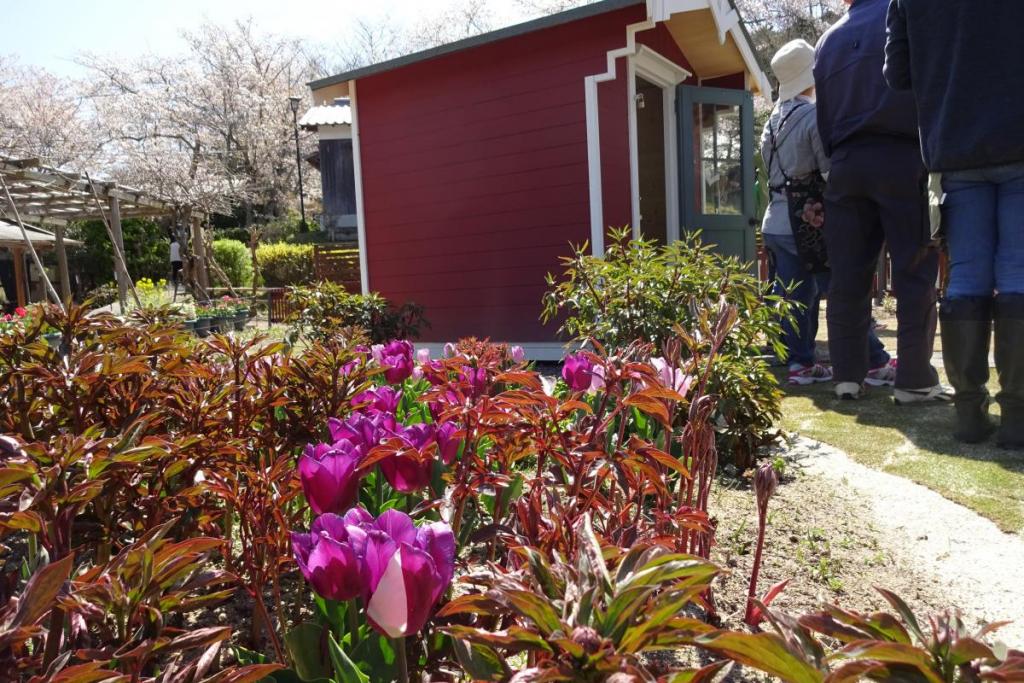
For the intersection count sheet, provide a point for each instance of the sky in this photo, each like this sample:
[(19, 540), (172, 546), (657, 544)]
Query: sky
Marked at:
[(50, 33)]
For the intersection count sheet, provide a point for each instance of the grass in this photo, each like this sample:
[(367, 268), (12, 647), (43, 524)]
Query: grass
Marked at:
[(914, 442)]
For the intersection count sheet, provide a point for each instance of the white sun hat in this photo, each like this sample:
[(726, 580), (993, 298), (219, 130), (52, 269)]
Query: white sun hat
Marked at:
[(793, 65)]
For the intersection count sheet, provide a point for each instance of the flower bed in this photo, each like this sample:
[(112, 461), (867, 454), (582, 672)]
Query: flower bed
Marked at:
[(375, 514)]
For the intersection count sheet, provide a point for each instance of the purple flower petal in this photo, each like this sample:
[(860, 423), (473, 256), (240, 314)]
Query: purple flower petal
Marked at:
[(438, 541), (398, 525)]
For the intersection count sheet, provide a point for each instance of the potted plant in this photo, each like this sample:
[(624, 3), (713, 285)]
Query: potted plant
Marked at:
[(241, 315), (204, 321)]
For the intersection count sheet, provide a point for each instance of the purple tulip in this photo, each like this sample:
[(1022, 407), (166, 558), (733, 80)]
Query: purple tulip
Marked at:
[(477, 380), (450, 351), (517, 353), (380, 400), (423, 356), (329, 477), (329, 559), (410, 470), (361, 430), (447, 442), (581, 374), (405, 570), (672, 377), (396, 359)]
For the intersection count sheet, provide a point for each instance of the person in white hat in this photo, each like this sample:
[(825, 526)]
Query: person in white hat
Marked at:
[(792, 151)]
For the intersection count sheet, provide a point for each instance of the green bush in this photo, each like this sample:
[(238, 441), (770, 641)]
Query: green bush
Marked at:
[(327, 308), (640, 291), (285, 265), (146, 246), (235, 260)]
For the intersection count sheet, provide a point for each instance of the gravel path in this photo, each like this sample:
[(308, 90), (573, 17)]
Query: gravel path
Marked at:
[(980, 567)]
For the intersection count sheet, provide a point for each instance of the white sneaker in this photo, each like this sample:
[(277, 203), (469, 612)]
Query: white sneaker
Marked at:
[(884, 376), (803, 375), (848, 391), (935, 394)]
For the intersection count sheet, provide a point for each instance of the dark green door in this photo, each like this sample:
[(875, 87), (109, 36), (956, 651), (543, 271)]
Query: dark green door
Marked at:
[(716, 137)]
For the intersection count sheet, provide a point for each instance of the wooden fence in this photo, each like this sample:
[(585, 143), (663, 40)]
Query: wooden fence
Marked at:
[(338, 263)]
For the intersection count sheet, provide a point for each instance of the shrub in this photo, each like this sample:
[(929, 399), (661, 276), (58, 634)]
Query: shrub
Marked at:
[(235, 260), (640, 291), (285, 265), (146, 251), (326, 308)]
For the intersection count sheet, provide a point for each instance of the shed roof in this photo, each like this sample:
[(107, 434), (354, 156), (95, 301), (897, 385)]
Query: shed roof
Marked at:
[(558, 19), (337, 114), (10, 235)]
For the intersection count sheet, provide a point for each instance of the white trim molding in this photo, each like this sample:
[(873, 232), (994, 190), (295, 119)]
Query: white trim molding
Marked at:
[(339, 132), (357, 163), (663, 72), (590, 83)]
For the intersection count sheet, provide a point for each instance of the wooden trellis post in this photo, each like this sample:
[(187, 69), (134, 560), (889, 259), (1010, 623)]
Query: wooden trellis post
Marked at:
[(120, 271), (62, 263)]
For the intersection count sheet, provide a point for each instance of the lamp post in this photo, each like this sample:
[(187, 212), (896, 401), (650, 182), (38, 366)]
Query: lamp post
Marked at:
[(294, 101)]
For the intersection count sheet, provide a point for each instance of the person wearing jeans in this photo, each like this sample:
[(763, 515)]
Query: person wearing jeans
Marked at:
[(791, 147), (800, 334), (970, 103), (877, 194)]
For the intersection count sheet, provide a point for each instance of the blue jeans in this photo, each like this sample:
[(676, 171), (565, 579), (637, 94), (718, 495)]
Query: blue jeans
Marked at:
[(799, 336), (983, 217)]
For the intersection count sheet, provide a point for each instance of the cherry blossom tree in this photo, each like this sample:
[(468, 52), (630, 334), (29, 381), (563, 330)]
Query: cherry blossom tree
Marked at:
[(43, 116)]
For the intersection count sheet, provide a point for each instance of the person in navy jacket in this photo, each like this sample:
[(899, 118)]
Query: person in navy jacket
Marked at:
[(877, 194), (964, 65)]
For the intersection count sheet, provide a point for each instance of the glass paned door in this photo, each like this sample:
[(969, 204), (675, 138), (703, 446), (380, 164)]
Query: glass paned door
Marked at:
[(716, 137)]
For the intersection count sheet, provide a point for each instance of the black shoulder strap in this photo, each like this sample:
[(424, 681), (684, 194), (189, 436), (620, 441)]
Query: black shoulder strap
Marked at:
[(775, 147)]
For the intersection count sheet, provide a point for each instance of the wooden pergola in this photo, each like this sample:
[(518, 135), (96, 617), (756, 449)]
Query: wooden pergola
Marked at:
[(54, 197)]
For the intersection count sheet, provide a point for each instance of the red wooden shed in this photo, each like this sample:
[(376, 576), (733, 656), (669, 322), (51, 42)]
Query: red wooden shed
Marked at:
[(472, 167)]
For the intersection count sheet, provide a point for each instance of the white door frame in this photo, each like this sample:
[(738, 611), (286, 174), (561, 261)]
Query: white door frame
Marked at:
[(663, 72)]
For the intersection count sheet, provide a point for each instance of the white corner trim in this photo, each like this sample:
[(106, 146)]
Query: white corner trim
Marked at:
[(663, 72), (536, 351), (590, 84), (594, 166), (339, 132), (357, 163)]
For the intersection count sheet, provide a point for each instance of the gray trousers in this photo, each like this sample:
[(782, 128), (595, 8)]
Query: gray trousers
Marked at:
[(877, 194)]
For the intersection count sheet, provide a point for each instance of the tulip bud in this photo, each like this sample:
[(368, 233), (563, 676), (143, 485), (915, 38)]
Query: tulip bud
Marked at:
[(765, 484), (587, 638)]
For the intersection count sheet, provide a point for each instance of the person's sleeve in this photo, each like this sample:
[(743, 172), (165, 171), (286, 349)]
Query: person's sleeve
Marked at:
[(897, 48), (814, 138), (822, 129)]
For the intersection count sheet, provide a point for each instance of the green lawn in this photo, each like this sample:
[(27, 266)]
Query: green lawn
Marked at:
[(914, 442)]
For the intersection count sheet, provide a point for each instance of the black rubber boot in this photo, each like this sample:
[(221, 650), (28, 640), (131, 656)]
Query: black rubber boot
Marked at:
[(1009, 318), (966, 336)]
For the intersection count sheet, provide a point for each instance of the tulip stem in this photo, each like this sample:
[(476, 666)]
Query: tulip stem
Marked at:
[(352, 615), (400, 661)]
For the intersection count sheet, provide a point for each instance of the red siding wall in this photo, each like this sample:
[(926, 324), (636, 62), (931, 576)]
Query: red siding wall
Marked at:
[(475, 173)]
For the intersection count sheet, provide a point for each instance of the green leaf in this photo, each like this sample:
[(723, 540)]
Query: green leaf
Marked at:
[(345, 670), (905, 612), (40, 594), (892, 653), (536, 609), (705, 675), (304, 646), (763, 651), (479, 661)]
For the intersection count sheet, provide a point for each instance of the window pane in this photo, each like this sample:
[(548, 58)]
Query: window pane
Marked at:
[(720, 158)]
